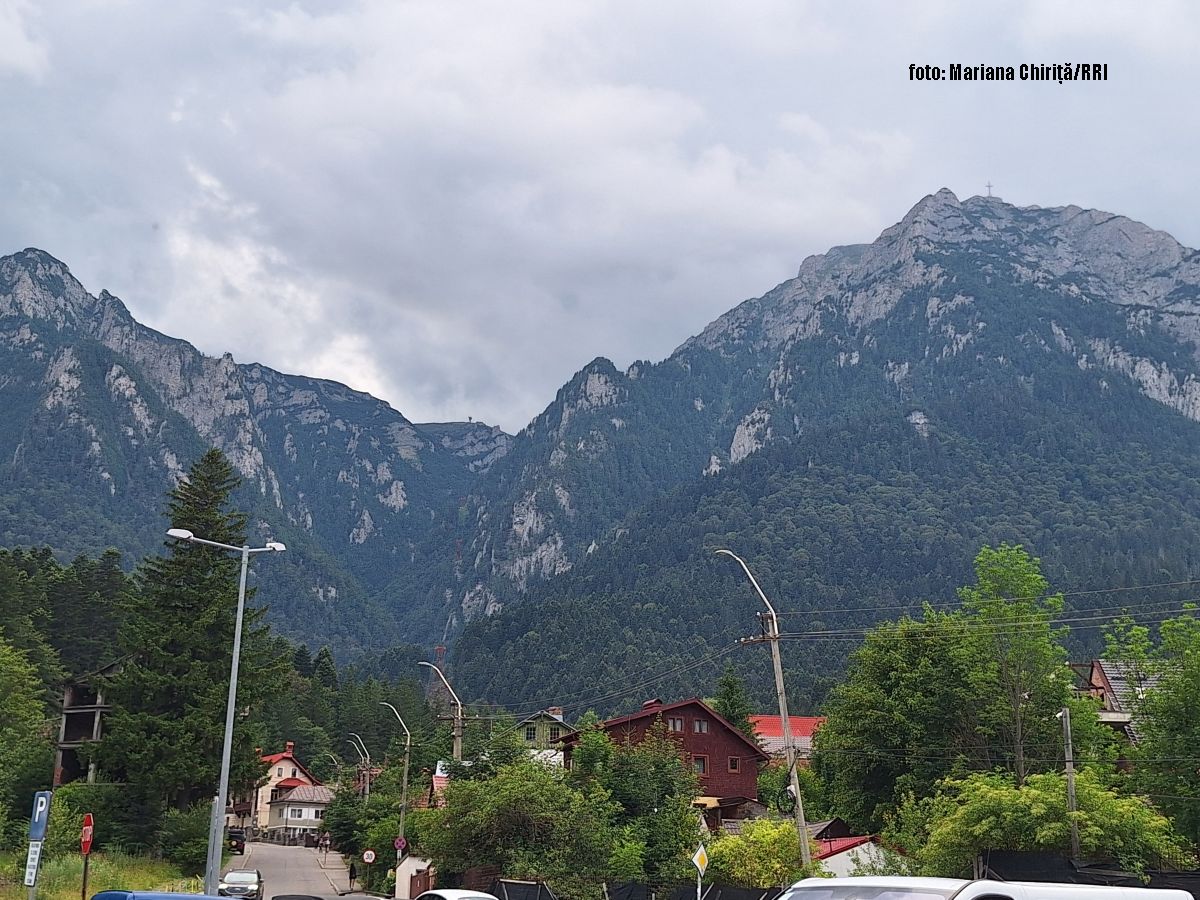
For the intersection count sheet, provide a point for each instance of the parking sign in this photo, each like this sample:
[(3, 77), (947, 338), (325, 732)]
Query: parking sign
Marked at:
[(41, 816)]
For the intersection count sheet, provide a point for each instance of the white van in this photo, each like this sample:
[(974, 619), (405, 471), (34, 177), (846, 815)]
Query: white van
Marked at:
[(903, 888)]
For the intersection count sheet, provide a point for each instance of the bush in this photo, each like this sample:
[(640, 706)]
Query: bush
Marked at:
[(185, 838)]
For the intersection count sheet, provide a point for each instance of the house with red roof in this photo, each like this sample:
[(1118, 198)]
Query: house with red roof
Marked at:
[(769, 730), (284, 773), (725, 761)]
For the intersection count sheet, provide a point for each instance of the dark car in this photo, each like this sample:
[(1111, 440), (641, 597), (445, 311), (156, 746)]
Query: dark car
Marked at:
[(235, 840), (144, 895), (242, 883)]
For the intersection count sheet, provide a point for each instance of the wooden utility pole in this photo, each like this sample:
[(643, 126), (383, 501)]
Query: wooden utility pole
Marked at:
[(1068, 752)]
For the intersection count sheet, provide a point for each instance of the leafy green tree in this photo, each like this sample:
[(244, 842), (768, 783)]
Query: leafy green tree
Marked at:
[(25, 759), (529, 821), (1022, 680), (950, 693), (732, 701), (1167, 717), (165, 733), (991, 811), (765, 853)]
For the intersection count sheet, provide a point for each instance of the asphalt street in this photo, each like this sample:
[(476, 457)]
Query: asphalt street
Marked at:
[(293, 870)]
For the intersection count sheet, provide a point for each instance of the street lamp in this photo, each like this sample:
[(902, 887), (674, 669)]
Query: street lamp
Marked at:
[(785, 721), (458, 715), (365, 756), (213, 865), (404, 782)]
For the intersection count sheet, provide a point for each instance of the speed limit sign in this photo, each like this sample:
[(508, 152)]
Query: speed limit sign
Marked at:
[(368, 856)]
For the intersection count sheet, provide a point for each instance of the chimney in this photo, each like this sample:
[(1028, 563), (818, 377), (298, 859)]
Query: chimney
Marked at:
[(556, 711), (289, 746), (650, 704)]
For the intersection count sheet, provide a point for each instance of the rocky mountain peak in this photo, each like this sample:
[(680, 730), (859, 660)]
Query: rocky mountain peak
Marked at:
[(35, 285)]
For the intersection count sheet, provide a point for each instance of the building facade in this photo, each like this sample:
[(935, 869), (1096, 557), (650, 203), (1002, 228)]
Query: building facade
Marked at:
[(252, 809)]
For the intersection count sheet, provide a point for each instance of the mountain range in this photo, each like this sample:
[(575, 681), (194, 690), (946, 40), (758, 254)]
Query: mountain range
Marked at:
[(979, 373)]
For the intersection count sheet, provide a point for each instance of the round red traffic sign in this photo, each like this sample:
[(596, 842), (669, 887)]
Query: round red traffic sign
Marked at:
[(85, 836), (399, 843), (368, 856)]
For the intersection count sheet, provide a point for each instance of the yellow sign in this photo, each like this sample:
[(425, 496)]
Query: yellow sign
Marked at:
[(700, 859)]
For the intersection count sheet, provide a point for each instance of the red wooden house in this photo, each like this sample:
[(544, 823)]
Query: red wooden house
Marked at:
[(726, 761)]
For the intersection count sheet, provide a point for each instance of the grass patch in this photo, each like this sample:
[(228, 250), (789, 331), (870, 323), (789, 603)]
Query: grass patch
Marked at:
[(62, 878)]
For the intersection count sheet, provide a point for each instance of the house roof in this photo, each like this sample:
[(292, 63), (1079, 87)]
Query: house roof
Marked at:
[(1124, 683), (290, 783), (770, 731), (288, 754), (834, 846), (652, 709), (306, 793), (549, 717)]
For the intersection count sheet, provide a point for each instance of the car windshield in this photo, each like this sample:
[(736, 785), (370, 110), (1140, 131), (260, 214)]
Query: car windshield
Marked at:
[(866, 892), (240, 877)]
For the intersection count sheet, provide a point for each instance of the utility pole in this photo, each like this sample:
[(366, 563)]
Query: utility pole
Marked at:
[(1070, 756), (458, 710), (404, 783), (772, 636)]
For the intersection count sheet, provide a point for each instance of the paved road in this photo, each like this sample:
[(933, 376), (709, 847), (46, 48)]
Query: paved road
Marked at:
[(293, 870)]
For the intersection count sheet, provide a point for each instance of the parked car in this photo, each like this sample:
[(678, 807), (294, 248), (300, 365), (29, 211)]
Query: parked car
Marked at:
[(144, 895), (455, 894), (245, 884), (235, 840), (905, 888)]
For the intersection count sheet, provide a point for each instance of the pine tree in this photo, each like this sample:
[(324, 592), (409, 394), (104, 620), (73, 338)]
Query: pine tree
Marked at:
[(165, 735), (732, 701)]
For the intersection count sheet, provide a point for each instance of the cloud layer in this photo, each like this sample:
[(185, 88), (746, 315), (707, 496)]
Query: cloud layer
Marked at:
[(457, 205)]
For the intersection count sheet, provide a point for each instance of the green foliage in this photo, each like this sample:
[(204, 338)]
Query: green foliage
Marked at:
[(966, 816), (765, 853), (25, 758), (528, 820), (1164, 679), (167, 724), (950, 693), (732, 701), (184, 838)]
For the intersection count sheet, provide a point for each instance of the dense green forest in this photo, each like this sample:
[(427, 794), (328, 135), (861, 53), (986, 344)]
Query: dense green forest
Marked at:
[(170, 626)]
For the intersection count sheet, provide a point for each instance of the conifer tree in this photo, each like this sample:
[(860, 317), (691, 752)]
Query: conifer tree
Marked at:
[(732, 701), (165, 735)]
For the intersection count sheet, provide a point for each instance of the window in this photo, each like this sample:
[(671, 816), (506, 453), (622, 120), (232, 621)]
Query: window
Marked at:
[(293, 773), (555, 732), (319, 814), (531, 732), (700, 764), (700, 726), (675, 723), (279, 772), (295, 812), (735, 764)]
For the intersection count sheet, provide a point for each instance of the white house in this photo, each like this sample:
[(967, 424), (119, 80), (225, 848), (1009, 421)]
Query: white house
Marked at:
[(299, 812)]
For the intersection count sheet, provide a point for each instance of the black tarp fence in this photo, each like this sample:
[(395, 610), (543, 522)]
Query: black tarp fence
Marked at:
[(629, 890), (1015, 865)]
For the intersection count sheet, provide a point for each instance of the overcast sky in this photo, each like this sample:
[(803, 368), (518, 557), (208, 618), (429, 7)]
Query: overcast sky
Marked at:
[(457, 205)]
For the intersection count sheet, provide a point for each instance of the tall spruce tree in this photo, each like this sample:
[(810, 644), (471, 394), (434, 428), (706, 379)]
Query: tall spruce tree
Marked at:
[(165, 735), (732, 701)]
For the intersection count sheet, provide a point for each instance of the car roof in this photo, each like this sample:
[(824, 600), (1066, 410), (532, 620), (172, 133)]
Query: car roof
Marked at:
[(908, 881), (456, 894), (147, 895)]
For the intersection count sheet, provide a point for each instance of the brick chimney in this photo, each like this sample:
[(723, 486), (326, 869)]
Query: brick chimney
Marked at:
[(289, 746), (556, 711), (651, 704)]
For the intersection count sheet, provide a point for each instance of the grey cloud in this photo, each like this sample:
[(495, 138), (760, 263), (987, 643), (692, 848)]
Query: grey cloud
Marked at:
[(455, 206)]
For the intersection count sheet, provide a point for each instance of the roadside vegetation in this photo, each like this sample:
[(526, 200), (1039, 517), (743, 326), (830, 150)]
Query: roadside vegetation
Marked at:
[(943, 737)]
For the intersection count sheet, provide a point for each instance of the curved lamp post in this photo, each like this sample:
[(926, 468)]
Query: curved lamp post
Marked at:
[(404, 782), (213, 864), (361, 747), (785, 722), (458, 714)]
